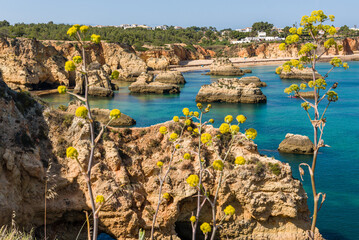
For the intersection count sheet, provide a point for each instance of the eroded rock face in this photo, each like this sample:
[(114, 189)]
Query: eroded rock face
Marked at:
[(145, 84), (224, 67), (28, 64), (173, 77), (268, 205), (99, 81), (231, 90), (295, 143), (306, 74)]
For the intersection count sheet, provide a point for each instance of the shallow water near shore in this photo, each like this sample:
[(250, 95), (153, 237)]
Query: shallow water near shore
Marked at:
[(337, 168)]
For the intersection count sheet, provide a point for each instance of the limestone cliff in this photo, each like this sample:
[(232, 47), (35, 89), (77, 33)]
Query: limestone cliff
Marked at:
[(271, 50), (175, 53), (31, 64), (269, 205)]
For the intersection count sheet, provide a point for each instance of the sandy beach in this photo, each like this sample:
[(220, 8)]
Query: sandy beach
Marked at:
[(203, 64)]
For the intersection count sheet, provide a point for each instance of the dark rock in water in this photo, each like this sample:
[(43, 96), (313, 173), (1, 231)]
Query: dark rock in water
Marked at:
[(295, 143)]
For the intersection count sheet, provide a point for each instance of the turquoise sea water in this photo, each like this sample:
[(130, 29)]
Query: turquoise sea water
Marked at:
[(338, 167)]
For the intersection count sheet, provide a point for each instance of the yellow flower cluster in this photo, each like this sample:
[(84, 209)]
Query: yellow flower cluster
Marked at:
[(239, 160), (278, 70), (218, 165), (72, 31), (187, 156), (190, 129), (81, 112), (163, 130), (224, 128), (211, 121), (75, 28), (71, 152), (305, 106), (318, 84), (173, 136), (187, 122), (293, 30), (199, 105), (282, 46), (235, 129), (193, 219), (95, 38), (77, 59), (159, 164), (166, 196), (100, 199), (306, 48), (251, 133), (206, 137), (293, 88), (185, 111), (336, 62), (84, 29), (115, 113), (205, 228), (229, 210), (61, 89), (193, 180), (175, 118), (329, 43), (115, 74), (70, 66), (196, 114), (332, 96), (228, 119), (292, 39), (303, 86)]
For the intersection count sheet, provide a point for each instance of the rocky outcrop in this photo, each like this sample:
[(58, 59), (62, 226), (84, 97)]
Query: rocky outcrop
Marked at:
[(295, 143), (102, 116), (224, 67), (269, 204), (145, 84), (158, 63), (231, 90), (173, 77), (29, 64), (306, 74), (98, 78)]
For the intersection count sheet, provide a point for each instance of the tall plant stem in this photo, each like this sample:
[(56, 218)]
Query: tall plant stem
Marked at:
[(199, 206), (162, 180), (92, 151)]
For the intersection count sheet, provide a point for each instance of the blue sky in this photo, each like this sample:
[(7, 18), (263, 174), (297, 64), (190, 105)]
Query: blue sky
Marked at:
[(220, 14)]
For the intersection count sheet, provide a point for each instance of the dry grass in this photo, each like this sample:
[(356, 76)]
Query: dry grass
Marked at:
[(14, 234)]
